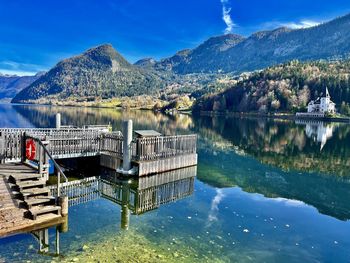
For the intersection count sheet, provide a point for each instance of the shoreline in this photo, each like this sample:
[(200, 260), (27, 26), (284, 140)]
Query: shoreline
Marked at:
[(284, 116), (281, 116)]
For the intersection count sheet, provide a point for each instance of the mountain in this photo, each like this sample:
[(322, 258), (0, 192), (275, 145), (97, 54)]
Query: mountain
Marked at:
[(10, 85), (234, 53), (145, 63), (98, 72), (102, 73), (283, 88)]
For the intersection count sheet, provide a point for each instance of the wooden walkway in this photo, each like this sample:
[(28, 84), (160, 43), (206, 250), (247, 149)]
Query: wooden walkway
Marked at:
[(20, 201)]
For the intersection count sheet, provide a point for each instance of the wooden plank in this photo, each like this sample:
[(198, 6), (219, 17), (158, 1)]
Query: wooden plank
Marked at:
[(31, 184), (22, 177), (40, 210), (39, 201), (33, 192), (168, 164)]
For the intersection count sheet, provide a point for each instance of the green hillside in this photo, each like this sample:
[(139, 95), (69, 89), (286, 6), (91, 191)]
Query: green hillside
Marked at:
[(99, 72), (283, 88)]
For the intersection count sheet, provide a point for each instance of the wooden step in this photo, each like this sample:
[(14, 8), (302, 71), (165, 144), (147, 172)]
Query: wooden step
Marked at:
[(30, 184), (40, 200), (8, 173), (35, 192), (40, 210), (24, 177), (48, 217), (14, 165)]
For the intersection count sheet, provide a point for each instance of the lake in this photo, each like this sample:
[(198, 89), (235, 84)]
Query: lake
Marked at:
[(263, 191)]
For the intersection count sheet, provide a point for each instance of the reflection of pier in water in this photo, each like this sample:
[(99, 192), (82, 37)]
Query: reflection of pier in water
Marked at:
[(137, 195), (317, 130)]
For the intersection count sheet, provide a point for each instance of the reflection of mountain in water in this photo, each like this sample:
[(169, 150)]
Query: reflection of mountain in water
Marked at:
[(230, 147), (224, 161), (318, 131), (44, 116), (225, 168), (280, 143)]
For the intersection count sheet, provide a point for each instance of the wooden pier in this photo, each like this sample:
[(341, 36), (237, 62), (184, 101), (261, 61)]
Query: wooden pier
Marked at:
[(27, 204)]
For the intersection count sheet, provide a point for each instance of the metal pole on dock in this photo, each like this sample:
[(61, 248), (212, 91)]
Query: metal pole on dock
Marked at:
[(58, 121), (127, 134)]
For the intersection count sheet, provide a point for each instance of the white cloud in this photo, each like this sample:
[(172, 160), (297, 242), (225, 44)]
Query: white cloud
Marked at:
[(226, 16), (305, 23), (301, 24), (16, 72), (20, 69)]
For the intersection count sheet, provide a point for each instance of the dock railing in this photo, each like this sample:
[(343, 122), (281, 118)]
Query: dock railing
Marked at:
[(73, 142), (150, 148), (112, 143), (153, 148), (65, 142), (40, 157)]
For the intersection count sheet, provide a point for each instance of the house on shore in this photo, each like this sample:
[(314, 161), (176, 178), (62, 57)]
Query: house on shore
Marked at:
[(319, 108)]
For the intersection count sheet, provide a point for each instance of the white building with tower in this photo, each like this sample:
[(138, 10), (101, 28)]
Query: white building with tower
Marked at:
[(322, 105), (319, 107)]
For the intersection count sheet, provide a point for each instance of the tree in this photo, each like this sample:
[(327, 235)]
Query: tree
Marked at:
[(345, 108)]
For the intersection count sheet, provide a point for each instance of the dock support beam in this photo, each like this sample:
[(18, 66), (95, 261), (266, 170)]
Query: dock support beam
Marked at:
[(127, 135), (125, 214), (58, 121)]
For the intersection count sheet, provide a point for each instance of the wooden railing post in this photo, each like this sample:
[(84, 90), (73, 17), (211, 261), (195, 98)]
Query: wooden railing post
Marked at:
[(45, 166), (58, 184), (40, 160), (58, 121), (23, 143), (2, 147), (127, 136)]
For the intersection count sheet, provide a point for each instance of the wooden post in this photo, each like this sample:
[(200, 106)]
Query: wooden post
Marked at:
[(23, 143), (40, 160), (127, 134), (58, 184), (45, 166), (63, 228), (63, 202), (2, 147), (44, 240), (58, 121)]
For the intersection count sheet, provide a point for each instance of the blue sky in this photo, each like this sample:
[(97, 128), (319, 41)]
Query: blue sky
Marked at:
[(36, 34)]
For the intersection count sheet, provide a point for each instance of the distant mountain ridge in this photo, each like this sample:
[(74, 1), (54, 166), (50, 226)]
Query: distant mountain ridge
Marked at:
[(102, 73), (98, 72), (10, 85), (234, 53)]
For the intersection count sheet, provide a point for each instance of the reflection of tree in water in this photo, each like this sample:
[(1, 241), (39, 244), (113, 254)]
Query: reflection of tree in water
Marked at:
[(285, 145), (280, 143), (44, 116), (328, 194)]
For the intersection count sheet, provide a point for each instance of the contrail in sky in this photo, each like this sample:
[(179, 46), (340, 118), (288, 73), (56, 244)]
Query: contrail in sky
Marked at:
[(227, 17)]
